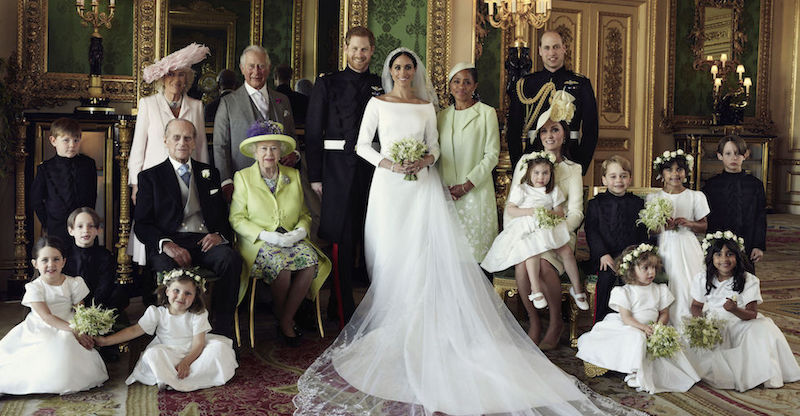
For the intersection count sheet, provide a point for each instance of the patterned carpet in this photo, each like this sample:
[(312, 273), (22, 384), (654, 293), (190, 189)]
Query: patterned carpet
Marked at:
[(265, 381)]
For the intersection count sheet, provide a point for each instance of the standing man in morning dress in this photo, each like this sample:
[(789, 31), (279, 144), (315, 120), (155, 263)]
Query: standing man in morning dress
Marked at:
[(538, 86), (332, 124)]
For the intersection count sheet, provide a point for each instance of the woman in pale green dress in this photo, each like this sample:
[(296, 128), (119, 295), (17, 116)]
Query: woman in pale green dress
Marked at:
[(469, 139)]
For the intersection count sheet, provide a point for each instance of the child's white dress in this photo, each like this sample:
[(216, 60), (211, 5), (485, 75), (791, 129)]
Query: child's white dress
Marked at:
[(752, 352), (522, 236), (613, 345), (38, 358), (681, 251), (174, 333)]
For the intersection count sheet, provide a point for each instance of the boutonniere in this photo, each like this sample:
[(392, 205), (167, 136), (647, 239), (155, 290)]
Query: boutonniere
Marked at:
[(285, 179), (205, 173), (277, 101), (286, 113)]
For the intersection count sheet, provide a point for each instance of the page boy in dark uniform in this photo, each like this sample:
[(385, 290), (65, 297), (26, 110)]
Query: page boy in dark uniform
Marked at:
[(611, 227), (533, 92), (737, 199), (334, 117), (64, 182)]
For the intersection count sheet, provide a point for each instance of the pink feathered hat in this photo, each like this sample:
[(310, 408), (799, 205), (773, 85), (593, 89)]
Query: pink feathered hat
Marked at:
[(183, 58)]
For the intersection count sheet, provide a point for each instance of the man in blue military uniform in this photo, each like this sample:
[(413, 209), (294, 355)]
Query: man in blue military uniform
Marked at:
[(332, 122), (537, 87)]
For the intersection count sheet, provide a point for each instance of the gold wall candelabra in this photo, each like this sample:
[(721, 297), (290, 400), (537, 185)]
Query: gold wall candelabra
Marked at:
[(729, 102), (94, 17), (519, 13)]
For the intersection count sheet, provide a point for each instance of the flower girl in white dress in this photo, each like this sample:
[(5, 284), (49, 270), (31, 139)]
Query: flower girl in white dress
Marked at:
[(678, 244), (43, 354), (183, 355), (528, 234), (619, 341), (753, 350)]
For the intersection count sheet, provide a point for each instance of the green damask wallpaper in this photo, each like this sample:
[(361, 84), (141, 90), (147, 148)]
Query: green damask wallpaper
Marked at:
[(489, 66), (277, 26), (397, 23), (68, 40), (693, 87)]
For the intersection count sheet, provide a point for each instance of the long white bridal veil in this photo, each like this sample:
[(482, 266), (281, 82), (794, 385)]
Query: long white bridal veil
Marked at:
[(422, 85)]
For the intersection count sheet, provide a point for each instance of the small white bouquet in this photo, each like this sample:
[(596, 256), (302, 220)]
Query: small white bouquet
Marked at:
[(92, 320), (703, 332), (546, 219), (664, 342), (407, 150), (655, 214)]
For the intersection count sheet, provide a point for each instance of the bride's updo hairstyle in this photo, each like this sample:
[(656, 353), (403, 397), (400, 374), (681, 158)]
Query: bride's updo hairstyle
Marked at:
[(406, 53)]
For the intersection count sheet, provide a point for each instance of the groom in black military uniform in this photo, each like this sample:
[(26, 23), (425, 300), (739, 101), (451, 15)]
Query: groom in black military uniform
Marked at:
[(535, 87), (334, 117)]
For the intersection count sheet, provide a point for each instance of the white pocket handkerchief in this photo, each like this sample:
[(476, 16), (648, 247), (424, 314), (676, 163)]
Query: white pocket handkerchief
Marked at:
[(213, 191)]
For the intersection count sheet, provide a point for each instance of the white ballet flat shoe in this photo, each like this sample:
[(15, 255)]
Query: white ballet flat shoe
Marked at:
[(632, 381), (541, 303), (582, 304)]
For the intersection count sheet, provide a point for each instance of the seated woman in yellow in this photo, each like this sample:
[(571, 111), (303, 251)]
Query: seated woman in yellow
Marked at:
[(272, 224)]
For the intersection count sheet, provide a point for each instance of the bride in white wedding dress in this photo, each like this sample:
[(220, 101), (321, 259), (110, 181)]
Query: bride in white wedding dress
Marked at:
[(430, 335)]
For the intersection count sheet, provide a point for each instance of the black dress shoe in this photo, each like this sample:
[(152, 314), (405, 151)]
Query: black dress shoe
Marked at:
[(289, 341)]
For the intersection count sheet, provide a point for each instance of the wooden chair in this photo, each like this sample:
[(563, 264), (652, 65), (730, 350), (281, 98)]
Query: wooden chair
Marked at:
[(253, 282)]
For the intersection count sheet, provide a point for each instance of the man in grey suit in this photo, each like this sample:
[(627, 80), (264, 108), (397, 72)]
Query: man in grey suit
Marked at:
[(238, 110)]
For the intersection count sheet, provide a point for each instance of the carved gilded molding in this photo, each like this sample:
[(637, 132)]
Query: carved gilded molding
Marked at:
[(38, 87), (256, 21), (438, 45), (20, 237), (699, 34), (144, 28), (351, 13), (568, 24), (617, 144), (762, 121), (297, 39), (614, 70)]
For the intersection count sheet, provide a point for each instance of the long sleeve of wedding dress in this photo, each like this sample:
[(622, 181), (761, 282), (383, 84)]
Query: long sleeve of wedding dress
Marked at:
[(430, 334)]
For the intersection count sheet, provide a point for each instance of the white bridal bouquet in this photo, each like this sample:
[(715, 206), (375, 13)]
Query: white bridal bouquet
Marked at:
[(92, 320), (407, 150), (546, 219), (664, 342), (655, 214), (703, 332)]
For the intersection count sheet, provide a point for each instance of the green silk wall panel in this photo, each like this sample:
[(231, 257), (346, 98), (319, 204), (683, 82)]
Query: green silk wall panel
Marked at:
[(489, 67), (68, 40), (693, 87), (397, 23), (277, 28)]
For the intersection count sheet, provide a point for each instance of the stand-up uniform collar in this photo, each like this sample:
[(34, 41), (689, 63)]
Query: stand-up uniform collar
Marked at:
[(349, 71)]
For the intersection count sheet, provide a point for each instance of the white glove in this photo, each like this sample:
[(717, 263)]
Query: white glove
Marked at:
[(294, 236), (274, 238)]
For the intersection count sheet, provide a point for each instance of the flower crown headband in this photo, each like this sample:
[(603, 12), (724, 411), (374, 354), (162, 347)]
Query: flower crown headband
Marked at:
[(167, 278), (543, 155), (668, 157), (721, 235), (630, 259)]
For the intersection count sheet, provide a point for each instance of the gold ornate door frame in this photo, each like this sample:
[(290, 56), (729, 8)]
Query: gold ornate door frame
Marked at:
[(355, 12)]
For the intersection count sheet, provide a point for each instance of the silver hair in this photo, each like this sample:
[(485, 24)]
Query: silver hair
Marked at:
[(169, 123), (158, 84), (254, 48)]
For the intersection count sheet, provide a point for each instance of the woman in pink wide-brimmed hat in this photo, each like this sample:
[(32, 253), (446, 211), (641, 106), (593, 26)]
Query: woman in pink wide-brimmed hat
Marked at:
[(172, 76)]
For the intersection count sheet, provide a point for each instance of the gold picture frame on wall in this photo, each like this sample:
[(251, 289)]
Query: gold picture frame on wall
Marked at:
[(354, 13), (45, 88), (762, 120), (208, 23)]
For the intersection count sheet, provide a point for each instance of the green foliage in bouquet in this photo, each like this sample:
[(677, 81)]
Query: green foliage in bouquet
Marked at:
[(92, 320), (664, 342), (546, 219), (407, 150), (702, 332), (655, 214)]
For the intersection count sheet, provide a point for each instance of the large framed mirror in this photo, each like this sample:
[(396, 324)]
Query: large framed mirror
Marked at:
[(717, 31)]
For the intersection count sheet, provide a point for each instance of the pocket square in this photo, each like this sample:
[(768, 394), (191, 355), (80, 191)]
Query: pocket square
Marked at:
[(213, 191)]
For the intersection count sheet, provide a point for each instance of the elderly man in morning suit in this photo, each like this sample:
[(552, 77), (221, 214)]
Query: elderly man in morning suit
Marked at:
[(182, 219), (237, 111)]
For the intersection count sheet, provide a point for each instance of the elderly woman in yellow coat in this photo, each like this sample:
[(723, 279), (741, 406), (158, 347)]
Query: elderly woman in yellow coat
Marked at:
[(469, 139), (272, 224)]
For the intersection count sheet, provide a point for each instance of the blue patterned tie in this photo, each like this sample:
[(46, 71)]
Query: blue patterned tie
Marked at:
[(183, 171)]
